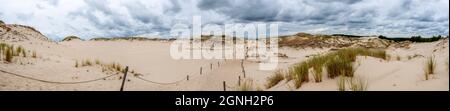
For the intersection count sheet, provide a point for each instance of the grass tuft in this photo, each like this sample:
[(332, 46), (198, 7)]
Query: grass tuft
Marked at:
[(357, 84), (341, 83), (352, 83), (247, 85), (340, 66), (34, 54), (430, 66), (300, 73), (275, 79), (338, 63)]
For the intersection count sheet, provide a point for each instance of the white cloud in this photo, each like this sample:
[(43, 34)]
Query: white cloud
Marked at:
[(93, 18)]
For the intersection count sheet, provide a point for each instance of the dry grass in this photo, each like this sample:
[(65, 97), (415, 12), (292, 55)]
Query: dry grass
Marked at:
[(86, 62), (340, 66), (275, 79), (430, 66), (300, 74), (105, 67), (247, 85), (97, 62), (341, 83), (351, 84), (317, 63), (357, 84), (34, 54), (336, 64), (9, 52)]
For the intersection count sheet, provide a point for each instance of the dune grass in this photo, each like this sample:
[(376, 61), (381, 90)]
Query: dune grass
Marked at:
[(336, 63), (9, 52), (275, 79), (341, 83), (86, 62), (246, 85), (34, 54), (76, 64), (430, 66), (340, 66), (300, 73), (105, 67), (351, 84), (317, 63), (357, 84), (97, 62)]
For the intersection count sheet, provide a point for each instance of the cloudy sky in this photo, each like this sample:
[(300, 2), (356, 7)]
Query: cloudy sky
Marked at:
[(115, 18)]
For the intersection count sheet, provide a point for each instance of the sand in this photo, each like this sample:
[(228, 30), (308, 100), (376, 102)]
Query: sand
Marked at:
[(151, 61)]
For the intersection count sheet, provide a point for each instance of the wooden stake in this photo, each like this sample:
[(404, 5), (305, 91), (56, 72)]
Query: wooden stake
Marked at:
[(239, 81), (224, 86), (124, 78)]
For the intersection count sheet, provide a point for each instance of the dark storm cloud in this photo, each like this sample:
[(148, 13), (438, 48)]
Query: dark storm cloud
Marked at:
[(353, 14), (141, 13), (245, 10), (213, 4), (174, 8)]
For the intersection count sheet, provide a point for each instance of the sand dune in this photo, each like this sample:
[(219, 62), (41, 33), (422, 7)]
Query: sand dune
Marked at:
[(152, 68)]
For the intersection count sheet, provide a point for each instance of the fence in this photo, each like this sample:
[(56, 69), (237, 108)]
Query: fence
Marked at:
[(187, 78)]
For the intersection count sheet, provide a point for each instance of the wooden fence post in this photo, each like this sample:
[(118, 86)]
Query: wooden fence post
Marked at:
[(239, 81), (224, 86), (243, 68), (124, 78)]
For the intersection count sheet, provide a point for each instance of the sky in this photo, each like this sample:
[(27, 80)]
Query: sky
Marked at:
[(154, 18)]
